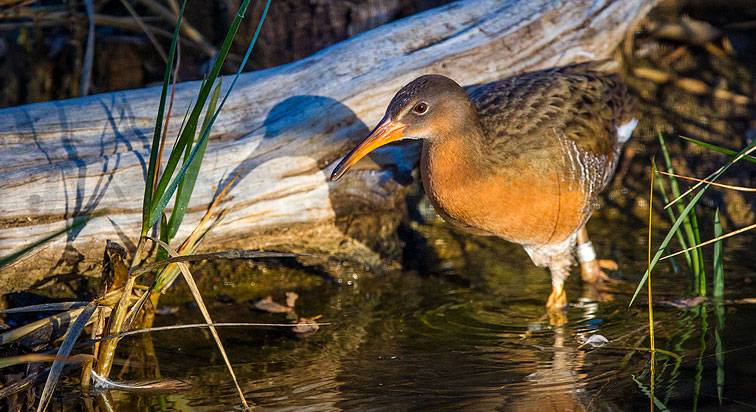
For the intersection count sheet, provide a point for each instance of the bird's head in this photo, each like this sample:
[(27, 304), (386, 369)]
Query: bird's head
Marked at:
[(429, 107)]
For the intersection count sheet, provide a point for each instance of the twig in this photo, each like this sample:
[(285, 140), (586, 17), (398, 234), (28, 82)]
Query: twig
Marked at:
[(145, 29), (186, 27), (22, 384), (46, 19), (86, 70), (229, 254), (689, 85)]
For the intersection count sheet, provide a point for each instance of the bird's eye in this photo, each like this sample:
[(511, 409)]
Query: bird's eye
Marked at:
[(420, 108)]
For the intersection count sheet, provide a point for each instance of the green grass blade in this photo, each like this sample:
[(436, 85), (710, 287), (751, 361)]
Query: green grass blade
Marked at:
[(157, 134), (184, 140), (698, 378), (717, 149), (45, 307), (247, 55), (162, 254), (673, 217), (205, 89), (695, 259), (675, 226), (700, 269), (719, 349), (167, 193), (643, 388), (186, 187), (719, 352), (78, 222), (686, 326), (65, 349), (665, 242), (718, 263), (183, 119), (651, 335)]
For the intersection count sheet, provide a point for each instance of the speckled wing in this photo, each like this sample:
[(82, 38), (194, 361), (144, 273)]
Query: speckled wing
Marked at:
[(569, 114)]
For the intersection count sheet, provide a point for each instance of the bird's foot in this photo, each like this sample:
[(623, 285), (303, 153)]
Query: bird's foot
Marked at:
[(556, 306), (592, 272), (597, 284)]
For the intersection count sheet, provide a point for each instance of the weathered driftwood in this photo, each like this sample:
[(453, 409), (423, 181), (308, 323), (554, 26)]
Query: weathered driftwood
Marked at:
[(280, 134)]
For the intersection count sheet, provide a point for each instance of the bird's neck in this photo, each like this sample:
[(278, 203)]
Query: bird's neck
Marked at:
[(453, 158)]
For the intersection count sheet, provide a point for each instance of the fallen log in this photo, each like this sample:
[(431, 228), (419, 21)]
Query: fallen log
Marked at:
[(279, 135)]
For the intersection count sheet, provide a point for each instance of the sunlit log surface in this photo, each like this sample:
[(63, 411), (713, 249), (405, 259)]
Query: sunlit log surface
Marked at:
[(281, 133)]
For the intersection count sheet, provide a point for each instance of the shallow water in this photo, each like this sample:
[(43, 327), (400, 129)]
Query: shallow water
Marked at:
[(473, 336)]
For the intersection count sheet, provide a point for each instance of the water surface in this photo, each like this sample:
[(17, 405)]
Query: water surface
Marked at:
[(470, 335)]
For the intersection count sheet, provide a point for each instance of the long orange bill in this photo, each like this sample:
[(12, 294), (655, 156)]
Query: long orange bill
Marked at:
[(386, 132)]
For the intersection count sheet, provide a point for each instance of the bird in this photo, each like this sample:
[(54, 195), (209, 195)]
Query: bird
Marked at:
[(522, 158)]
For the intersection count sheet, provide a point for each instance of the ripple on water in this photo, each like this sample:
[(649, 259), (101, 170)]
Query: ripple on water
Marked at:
[(424, 342)]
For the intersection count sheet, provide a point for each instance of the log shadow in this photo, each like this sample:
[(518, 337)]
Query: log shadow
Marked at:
[(81, 201), (284, 123), (316, 131)]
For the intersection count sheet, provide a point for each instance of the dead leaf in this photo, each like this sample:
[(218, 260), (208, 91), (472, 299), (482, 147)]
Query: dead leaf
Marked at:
[(291, 299), (268, 305), (595, 341), (306, 326)]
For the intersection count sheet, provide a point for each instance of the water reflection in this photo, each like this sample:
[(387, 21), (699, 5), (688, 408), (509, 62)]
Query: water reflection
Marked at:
[(429, 341)]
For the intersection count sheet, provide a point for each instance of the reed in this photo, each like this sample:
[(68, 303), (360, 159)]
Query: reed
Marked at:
[(681, 209), (651, 337), (719, 310), (683, 221), (690, 233)]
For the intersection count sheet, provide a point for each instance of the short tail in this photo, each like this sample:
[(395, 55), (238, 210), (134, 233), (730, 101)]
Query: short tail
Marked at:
[(624, 131)]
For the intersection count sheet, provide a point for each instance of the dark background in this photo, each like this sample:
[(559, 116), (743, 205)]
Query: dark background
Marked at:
[(42, 43)]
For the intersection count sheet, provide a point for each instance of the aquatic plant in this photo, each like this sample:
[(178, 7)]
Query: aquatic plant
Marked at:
[(685, 229), (651, 336), (121, 300), (683, 216), (689, 234)]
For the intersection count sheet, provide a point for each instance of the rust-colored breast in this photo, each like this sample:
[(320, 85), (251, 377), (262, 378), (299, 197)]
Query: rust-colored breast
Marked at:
[(521, 204), (544, 146)]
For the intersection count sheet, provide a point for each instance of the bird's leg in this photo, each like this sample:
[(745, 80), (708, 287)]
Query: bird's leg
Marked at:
[(590, 267), (558, 299)]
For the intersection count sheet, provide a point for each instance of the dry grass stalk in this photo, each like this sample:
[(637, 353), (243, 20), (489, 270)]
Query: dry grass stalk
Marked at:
[(201, 304), (710, 241), (722, 185)]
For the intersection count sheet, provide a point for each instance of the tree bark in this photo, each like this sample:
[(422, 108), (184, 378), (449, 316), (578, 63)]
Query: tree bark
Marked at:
[(279, 135)]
